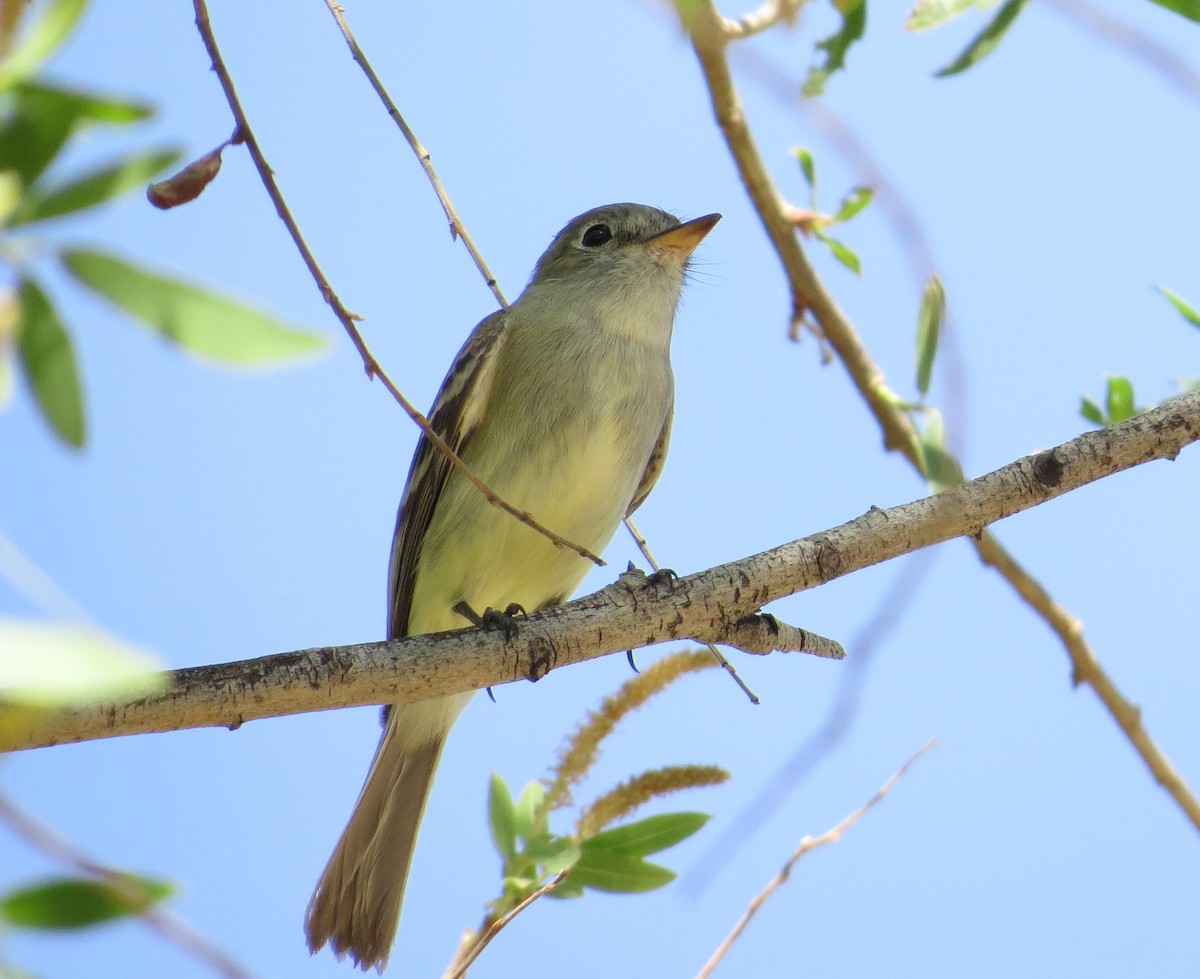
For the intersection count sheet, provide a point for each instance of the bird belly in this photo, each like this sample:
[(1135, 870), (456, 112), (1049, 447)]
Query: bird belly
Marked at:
[(476, 553)]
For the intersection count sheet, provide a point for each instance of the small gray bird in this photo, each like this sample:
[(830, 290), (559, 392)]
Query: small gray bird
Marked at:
[(562, 405)]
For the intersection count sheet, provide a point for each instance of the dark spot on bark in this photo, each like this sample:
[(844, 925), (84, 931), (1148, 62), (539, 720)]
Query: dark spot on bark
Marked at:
[(829, 560), (541, 658), (1048, 468)]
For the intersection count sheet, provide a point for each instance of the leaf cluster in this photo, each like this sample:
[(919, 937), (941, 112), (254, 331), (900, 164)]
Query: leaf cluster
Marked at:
[(39, 124), (596, 855)]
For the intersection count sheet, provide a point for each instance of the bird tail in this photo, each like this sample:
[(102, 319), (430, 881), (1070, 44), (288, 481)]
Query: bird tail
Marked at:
[(356, 904)]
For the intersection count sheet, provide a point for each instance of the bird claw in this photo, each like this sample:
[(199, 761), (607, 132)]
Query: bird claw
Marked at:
[(492, 619)]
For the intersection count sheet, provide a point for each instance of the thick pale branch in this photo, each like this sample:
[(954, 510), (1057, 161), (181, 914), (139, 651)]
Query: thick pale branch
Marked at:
[(710, 37), (706, 607), (763, 633)]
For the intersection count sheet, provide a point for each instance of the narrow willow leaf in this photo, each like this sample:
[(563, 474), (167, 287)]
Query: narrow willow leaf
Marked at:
[(941, 469), (854, 23), (48, 361), (84, 105), (927, 14), (929, 329), (842, 253), (31, 136), (985, 41), (502, 817), (93, 188), (1185, 8), (204, 324), (616, 872), (1186, 310), (650, 835), (1120, 400), (1091, 411), (553, 853), (853, 202), (10, 192), (57, 20), (49, 665), (807, 167), (526, 810), (65, 902), (40, 118)]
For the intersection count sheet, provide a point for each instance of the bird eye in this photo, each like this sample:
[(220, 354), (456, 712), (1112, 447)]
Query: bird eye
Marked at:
[(596, 235)]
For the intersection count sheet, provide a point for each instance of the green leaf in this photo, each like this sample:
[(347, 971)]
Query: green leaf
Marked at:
[(566, 889), (854, 23), (807, 167), (10, 192), (207, 325), (66, 902), (927, 14), (843, 254), (853, 202), (502, 817), (1186, 310), (940, 468), (929, 328), (985, 41), (526, 811), (553, 853), (1188, 384), (40, 39), (1120, 399), (650, 835), (616, 872), (48, 360), (93, 188), (1185, 8), (1091, 411), (49, 665), (41, 118), (84, 105)]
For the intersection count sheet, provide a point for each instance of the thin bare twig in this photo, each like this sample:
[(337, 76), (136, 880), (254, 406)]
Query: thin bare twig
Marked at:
[(727, 666), (465, 956), (170, 927), (457, 229), (809, 297), (806, 845), (821, 744), (344, 315)]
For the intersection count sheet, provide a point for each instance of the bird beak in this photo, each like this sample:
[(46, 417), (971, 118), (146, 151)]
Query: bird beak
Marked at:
[(682, 240)]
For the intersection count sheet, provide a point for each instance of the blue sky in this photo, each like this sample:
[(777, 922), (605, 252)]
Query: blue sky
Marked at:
[(219, 516)]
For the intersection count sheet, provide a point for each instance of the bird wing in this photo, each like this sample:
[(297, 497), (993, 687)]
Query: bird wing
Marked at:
[(457, 410), (654, 465)]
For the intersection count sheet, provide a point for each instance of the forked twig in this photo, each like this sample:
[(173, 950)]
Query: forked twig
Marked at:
[(344, 315), (467, 954), (806, 845)]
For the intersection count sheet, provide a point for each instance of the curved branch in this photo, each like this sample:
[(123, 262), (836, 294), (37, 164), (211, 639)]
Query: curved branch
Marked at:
[(710, 606), (810, 298)]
